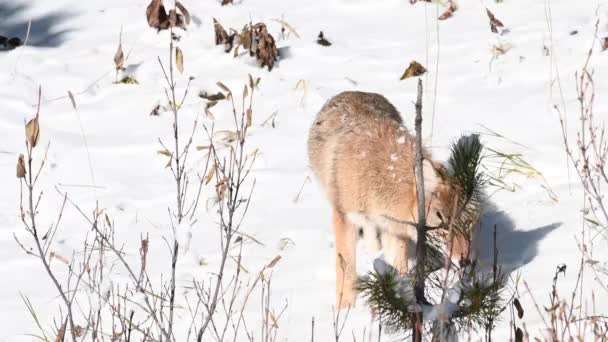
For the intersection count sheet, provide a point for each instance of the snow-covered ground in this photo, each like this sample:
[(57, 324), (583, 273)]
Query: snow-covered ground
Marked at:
[(373, 41)]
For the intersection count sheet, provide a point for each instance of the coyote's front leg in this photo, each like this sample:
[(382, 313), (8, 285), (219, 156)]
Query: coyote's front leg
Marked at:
[(346, 260), (394, 240)]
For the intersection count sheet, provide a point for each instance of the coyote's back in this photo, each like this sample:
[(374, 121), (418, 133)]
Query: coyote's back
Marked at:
[(351, 137)]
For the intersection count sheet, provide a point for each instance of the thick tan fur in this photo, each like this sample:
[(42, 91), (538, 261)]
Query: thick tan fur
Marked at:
[(363, 158)]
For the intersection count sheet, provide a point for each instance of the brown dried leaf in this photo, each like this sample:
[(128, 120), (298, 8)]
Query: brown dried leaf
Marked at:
[(251, 84), (61, 258), (266, 51), (21, 166), (501, 49), (245, 92), (156, 15), (249, 117), (520, 310), (119, 57), (165, 153), (179, 60), (32, 131), (413, 70), (604, 43), (246, 37), (228, 136), (201, 148), (449, 11), (221, 189), (224, 88), (176, 20), (210, 174), (275, 323), (214, 97), (274, 262), (494, 22), (254, 153), (61, 332), (221, 36), (184, 11)]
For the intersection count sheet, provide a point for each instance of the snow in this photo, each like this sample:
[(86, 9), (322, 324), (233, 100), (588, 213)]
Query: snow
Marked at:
[(372, 42)]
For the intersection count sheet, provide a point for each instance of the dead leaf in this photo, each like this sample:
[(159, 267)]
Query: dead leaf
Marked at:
[(245, 92), (414, 69), (449, 11), (165, 153), (604, 43), (201, 148), (32, 131), (61, 258), (266, 50), (159, 19), (246, 39), (254, 153), (214, 97), (21, 166), (494, 22), (119, 57), (224, 88), (518, 307), (519, 335), (228, 136), (275, 323), (221, 36), (184, 11), (61, 332), (210, 104), (274, 262), (501, 49), (156, 15), (179, 60), (221, 189), (249, 117), (176, 19), (210, 174), (251, 85)]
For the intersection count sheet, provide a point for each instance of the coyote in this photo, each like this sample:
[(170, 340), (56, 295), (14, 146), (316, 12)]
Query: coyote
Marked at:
[(364, 159)]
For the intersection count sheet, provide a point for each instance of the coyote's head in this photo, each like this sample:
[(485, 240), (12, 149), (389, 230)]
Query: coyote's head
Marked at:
[(443, 197)]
